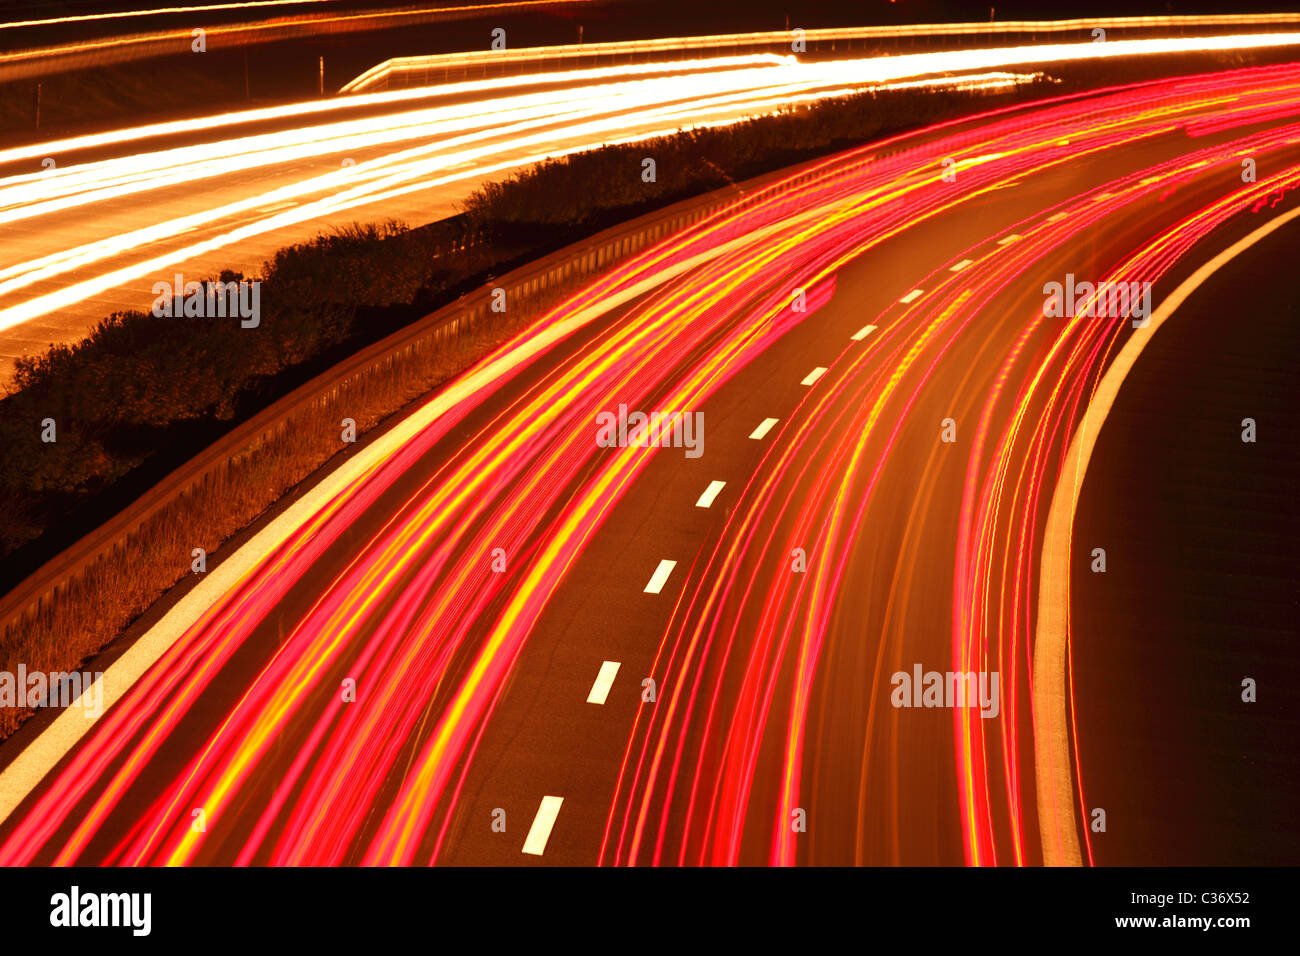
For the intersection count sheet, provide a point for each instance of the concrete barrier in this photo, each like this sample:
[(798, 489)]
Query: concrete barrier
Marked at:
[(535, 285)]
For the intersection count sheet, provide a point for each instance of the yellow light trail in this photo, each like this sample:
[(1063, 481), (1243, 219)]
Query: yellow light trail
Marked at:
[(470, 140)]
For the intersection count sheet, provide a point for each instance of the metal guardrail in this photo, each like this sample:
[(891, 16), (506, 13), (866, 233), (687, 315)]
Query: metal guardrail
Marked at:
[(415, 71)]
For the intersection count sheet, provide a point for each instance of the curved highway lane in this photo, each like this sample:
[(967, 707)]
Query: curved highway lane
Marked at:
[(492, 639), (91, 223)]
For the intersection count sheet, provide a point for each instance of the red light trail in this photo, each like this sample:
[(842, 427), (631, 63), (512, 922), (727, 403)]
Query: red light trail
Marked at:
[(432, 635)]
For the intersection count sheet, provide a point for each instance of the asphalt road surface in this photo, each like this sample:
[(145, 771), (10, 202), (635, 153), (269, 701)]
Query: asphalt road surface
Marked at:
[(440, 651)]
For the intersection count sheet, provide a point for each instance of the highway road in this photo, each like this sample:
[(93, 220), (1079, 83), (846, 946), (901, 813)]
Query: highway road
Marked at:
[(484, 638), (91, 223)]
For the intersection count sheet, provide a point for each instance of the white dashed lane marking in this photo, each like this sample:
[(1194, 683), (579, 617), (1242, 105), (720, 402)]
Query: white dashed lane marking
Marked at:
[(660, 577), (706, 500), (862, 333), (812, 376), (763, 428), (540, 831), (604, 681)]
